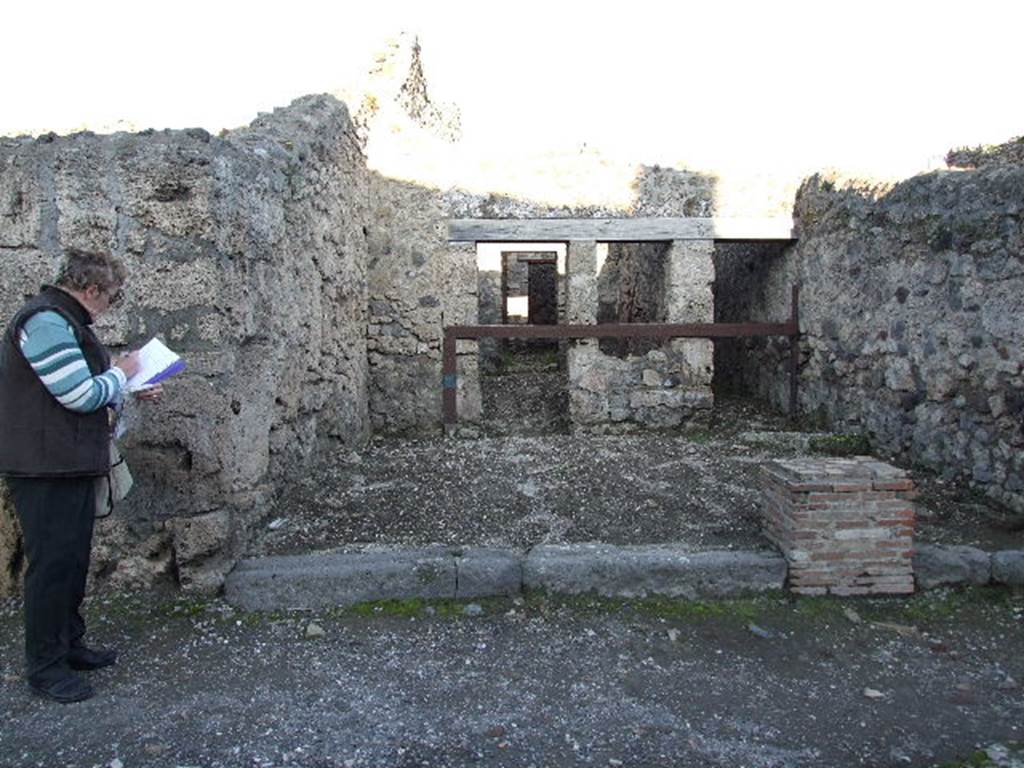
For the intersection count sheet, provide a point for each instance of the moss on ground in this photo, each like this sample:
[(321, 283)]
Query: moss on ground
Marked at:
[(443, 608), (841, 445), (996, 756), (927, 609), (698, 436)]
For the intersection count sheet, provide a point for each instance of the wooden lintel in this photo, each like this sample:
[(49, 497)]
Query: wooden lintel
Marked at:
[(618, 230)]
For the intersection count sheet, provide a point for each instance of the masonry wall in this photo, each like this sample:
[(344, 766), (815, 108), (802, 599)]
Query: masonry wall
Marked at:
[(631, 289), (640, 384), (744, 274), (246, 253), (912, 303), (418, 284), (662, 386)]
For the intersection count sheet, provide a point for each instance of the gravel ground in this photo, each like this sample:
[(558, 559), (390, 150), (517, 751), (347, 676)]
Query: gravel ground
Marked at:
[(698, 488), (766, 683)]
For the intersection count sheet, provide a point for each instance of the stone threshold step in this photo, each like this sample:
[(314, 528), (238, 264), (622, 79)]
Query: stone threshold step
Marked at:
[(324, 580)]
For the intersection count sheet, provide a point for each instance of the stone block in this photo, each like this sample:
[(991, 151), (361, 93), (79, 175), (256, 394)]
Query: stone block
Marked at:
[(689, 275), (939, 565), (488, 573), (21, 200), (1008, 567), (650, 570), (314, 582), (12, 560), (21, 275), (171, 287), (195, 538)]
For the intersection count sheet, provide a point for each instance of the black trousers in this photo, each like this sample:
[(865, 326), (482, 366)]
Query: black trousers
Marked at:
[(57, 516)]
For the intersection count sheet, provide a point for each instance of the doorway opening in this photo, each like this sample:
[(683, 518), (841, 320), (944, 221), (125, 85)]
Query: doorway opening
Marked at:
[(524, 382)]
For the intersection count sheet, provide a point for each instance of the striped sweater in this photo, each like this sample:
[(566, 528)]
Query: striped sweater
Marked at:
[(49, 345)]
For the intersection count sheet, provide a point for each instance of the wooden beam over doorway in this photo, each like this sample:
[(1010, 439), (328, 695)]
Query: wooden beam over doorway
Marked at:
[(618, 230)]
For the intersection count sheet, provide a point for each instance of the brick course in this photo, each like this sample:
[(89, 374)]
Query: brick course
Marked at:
[(845, 526)]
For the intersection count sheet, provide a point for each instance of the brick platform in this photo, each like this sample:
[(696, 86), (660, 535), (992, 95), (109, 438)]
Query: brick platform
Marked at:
[(845, 526)]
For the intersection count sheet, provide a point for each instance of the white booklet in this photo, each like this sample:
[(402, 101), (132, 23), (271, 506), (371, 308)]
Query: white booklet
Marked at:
[(157, 363)]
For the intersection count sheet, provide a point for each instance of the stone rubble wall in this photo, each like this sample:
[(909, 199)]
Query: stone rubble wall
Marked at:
[(667, 386), (912, 306), (626, 384), (489, 310), (631, 289), (1009, 153), (418, 284), (744, 273), (247, 254)]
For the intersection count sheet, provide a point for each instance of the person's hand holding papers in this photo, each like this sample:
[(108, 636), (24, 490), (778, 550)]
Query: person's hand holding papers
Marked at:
[(156, 363), (130, 363)]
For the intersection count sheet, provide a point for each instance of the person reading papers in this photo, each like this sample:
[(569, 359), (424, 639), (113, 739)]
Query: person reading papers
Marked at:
[(58, 387)]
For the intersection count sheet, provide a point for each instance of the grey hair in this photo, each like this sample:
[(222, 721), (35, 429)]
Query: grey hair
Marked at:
[(84, 268)]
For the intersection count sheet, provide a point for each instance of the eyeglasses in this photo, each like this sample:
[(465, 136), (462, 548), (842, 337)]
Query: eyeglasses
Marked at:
[(115, 297)]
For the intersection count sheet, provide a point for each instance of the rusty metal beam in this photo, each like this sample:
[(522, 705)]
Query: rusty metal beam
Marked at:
[(452, 333)]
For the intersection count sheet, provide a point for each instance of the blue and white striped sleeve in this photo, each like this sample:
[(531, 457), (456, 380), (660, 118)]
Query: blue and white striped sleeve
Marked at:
[(49, 345)]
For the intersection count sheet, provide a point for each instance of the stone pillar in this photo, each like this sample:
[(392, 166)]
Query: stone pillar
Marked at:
[(581, 298), (460, 306), (690, 272), (490, 305), (588, 386)]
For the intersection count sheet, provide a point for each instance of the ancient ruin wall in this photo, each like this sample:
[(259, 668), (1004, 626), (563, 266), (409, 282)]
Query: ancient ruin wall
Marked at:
[(650, 386), (247, 253), (418, 284), (631, 289), (1008, 154), (913, 309), (664, 388)]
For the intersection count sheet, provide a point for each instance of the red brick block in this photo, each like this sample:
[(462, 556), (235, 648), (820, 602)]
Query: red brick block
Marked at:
[(894, 485), (851, 487), (844, 525)]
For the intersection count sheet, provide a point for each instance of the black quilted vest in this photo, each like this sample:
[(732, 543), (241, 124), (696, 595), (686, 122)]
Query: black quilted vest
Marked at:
[(38, 436)]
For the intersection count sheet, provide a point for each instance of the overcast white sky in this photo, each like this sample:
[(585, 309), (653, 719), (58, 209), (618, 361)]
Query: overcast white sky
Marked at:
[(752, 83)]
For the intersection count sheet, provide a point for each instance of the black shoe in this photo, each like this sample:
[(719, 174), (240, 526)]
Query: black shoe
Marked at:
[(66, 690), (86, 659)]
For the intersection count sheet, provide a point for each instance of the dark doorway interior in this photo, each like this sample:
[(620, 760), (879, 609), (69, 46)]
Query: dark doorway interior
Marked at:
[(631, 289), (542, 291), (523, 381)]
